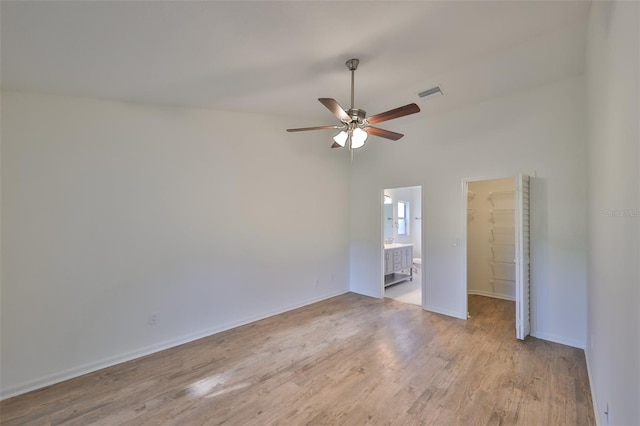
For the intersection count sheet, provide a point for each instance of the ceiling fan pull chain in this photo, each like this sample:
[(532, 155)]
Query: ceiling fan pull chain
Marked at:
[(350, 143)]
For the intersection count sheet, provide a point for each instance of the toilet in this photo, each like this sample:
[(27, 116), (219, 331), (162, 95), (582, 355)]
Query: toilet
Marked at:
[(417, 265)]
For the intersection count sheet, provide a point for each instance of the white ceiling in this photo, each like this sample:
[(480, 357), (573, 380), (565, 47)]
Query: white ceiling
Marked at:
[(278, 57)]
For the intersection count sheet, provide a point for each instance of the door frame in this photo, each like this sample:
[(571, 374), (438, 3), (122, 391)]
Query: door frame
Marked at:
[(523, 255), (422, 240), (465, 204)]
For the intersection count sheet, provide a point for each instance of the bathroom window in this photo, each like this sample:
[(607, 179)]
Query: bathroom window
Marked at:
[(403, 214)]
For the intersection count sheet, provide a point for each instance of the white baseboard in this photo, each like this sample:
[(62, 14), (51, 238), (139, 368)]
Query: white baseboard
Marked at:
[(368, 294), (91, 367), (594, 400), (446, 312), (491, 294), (429, 308), (558, 339)]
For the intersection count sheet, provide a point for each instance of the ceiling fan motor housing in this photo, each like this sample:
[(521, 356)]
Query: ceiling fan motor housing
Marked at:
[(357, 115)]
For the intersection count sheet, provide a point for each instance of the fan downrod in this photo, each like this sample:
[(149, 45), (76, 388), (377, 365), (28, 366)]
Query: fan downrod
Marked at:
[(352, 64)]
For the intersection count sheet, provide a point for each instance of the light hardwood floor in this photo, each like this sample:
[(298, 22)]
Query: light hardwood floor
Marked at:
[(349, 360)]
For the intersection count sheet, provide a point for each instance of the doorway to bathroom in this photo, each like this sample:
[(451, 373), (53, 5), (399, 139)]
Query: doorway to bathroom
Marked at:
[(402, 244)]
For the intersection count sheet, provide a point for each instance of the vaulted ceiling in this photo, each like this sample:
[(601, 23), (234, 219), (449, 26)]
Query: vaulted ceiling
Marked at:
[(278, 57)]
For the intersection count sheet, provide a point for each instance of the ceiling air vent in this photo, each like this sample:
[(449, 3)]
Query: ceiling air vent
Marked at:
[(430, 93)]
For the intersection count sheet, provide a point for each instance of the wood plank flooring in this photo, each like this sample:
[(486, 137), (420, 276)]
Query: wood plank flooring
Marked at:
[(349, 360)]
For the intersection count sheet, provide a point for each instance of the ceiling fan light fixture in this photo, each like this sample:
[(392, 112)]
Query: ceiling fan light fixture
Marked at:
[(341, 138), (358, 138)]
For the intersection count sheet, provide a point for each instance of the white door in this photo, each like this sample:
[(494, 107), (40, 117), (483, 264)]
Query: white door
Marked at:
[(522, 260)]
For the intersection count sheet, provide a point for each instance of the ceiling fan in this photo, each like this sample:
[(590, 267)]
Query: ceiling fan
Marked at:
[(354, 125)]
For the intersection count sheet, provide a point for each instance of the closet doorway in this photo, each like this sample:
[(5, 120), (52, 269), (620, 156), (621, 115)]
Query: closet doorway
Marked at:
[(402, 244), (497, 253)]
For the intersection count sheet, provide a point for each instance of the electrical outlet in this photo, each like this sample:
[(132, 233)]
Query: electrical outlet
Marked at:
[(154, 318), (317, 282)]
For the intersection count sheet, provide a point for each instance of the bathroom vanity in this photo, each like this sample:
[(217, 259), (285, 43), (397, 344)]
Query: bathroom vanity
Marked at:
[(398, 263)]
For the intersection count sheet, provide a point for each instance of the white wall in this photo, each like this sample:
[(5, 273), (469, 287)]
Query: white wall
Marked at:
[(111, 211), (481, 277), (613, 70), (541, 130)]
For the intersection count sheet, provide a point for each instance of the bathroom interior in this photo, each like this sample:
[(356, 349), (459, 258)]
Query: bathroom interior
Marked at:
[(402, 234)]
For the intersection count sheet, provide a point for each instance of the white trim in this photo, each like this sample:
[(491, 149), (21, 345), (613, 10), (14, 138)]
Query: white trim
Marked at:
[(364, 293), (423, 250), (381, 239), (494, 295), (594, 400), (463, 243), (422, 244), (532, 251), (91, 367), (559, 339), (465, 206), (523, 256), (445, 312)]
